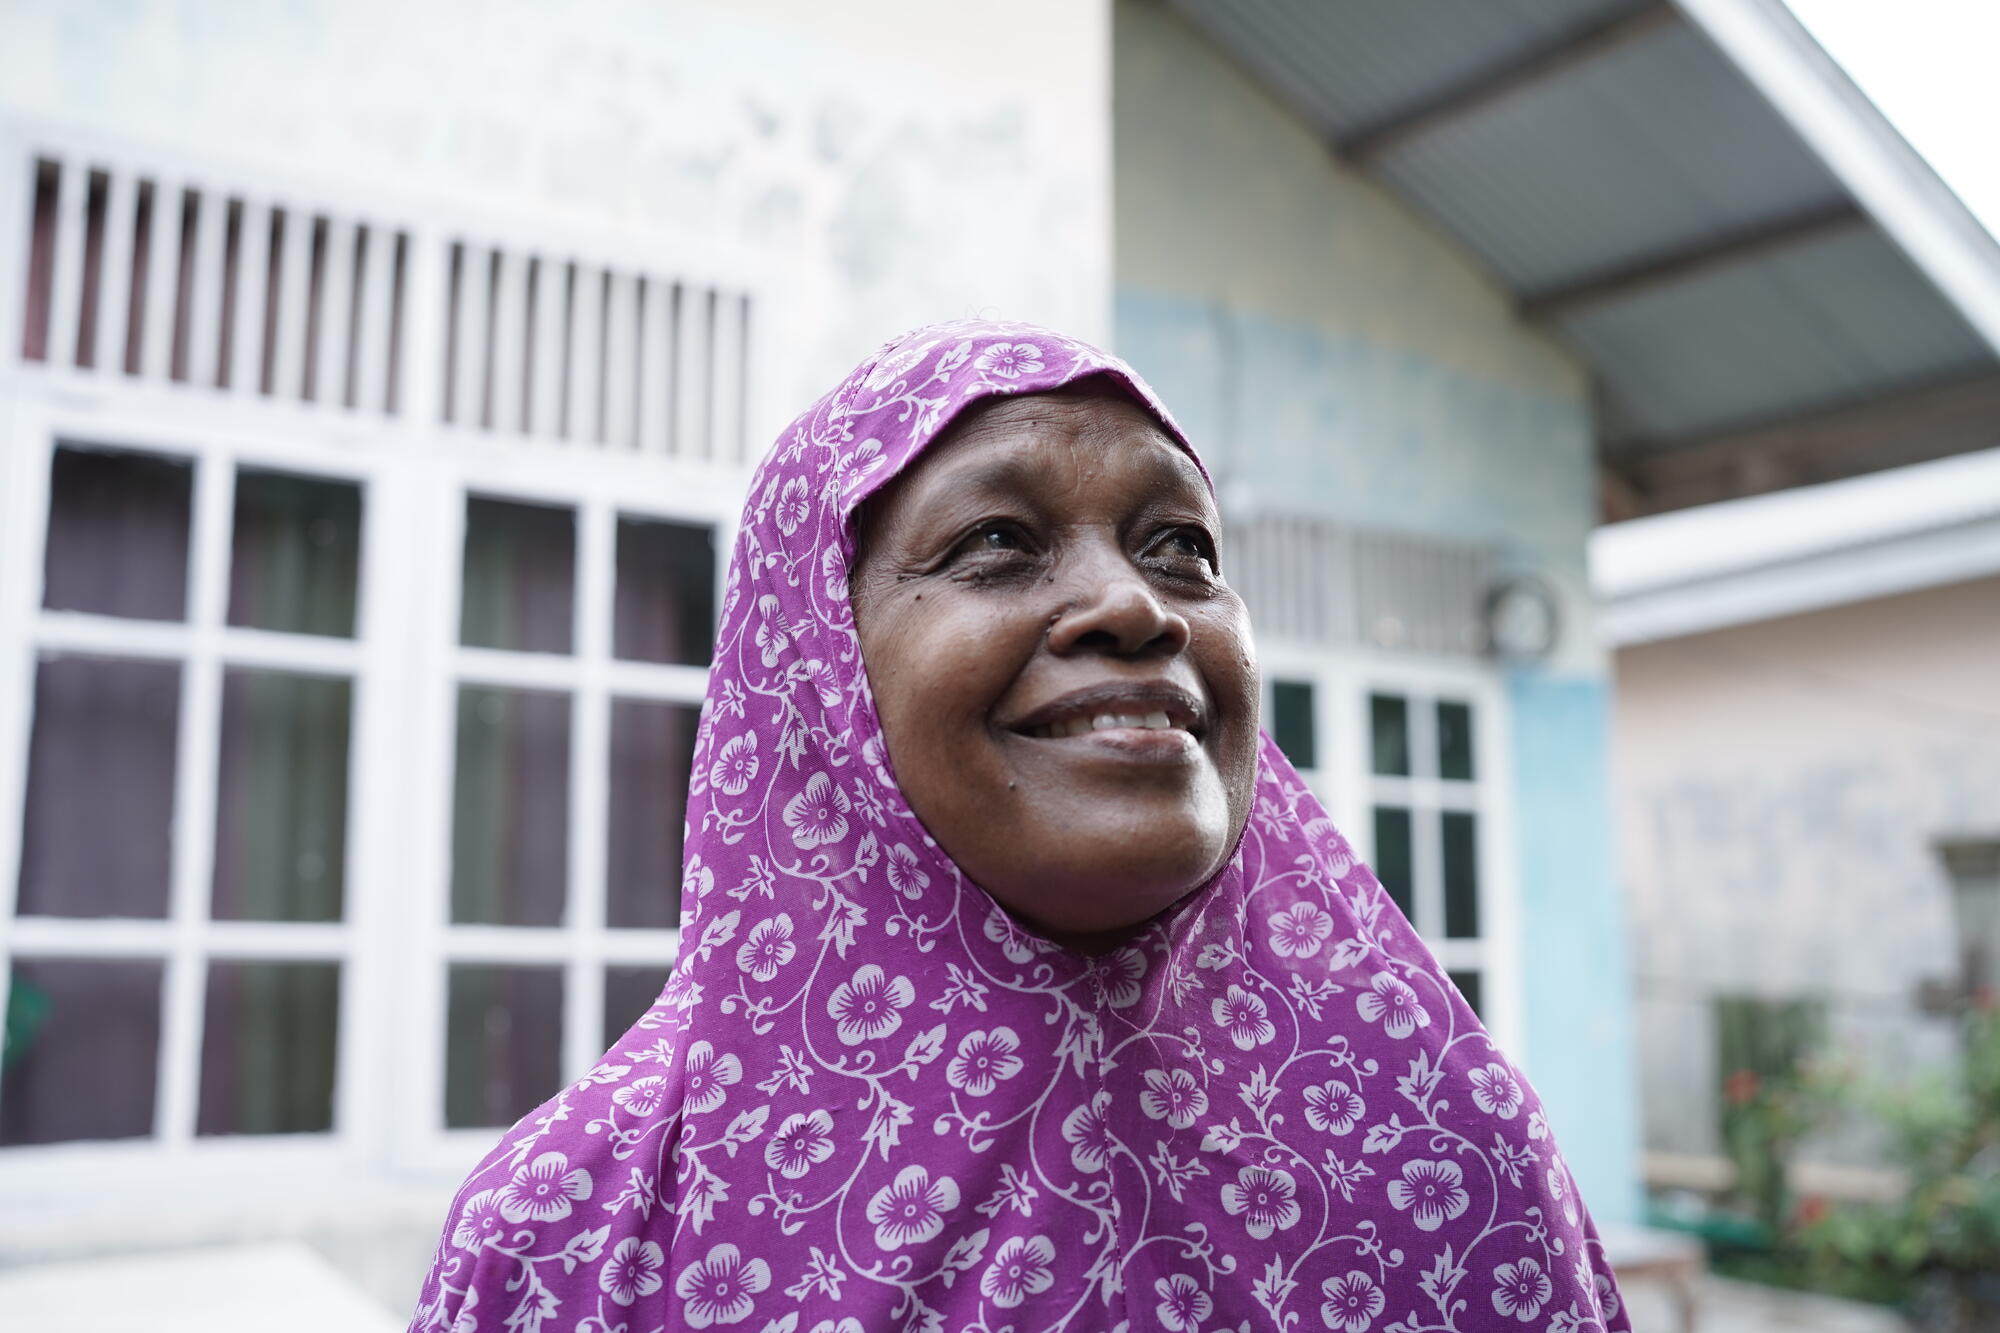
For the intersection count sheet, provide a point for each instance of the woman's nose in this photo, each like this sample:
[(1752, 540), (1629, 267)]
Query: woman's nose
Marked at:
[(1115, 610)]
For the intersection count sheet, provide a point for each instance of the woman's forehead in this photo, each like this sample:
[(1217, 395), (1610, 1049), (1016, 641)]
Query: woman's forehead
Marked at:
[(1012, 443)]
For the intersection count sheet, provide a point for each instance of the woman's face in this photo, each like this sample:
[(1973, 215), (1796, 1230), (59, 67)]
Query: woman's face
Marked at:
[(1066, 685)]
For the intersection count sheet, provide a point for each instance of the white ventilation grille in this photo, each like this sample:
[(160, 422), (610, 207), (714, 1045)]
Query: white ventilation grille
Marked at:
[(144, 276), (550, 347), (1313, 581)]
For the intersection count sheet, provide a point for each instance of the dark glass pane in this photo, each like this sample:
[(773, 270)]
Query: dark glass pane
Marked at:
[(118, 534), (510, 808), (503, 1026), (1461, 874), (296, 554), (1468, 986), (1292, 722), (1389, 734), (268, 1038), (628, 993), (652, 746), (1455, 741), (665, 604), (101, 758), (83, 1050), (281, 797), (1393, 856), (520, 576)]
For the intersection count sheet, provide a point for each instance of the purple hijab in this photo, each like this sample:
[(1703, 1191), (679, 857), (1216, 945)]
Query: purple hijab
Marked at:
[(868, 1099)]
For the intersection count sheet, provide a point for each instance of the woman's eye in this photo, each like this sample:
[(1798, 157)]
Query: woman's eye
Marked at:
[(1188, 544)]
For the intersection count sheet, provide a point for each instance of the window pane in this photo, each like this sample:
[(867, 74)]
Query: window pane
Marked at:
[(267, 1048), (297, 550), (520, 576), (1392, 854), (281, 798), (1455, 741), (118, 534), (628, 993), (101, 756), (1461, 874), (83, 1050), (1389, 732), (510, 808), (1292, 721), (1468, 986), (652, 746), (665, 603), (504, 1029)]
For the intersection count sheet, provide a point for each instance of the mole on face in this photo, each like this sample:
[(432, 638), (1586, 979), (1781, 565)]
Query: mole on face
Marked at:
[(1073, 711)]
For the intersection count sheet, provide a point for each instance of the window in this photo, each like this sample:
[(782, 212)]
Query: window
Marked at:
[(584, 634), (1402, 753), (178, 947)]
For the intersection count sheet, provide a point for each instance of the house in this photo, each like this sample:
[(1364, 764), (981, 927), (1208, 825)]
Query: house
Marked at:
[(1808, 777), (376, 407)]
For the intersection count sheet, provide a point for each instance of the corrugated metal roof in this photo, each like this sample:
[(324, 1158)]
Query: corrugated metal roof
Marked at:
[(1842, 319), (1617, 154)]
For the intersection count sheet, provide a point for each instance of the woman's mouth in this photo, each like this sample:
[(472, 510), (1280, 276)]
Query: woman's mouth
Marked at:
[(1157, 720)]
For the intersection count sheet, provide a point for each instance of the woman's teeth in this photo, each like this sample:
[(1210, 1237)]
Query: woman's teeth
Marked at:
[(1153, 721)]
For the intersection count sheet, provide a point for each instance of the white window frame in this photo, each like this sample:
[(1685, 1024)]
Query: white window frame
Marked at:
[(404, 661), (1344, 780)]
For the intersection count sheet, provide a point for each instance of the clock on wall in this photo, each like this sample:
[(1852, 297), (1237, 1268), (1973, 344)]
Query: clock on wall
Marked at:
[(1523, 619)]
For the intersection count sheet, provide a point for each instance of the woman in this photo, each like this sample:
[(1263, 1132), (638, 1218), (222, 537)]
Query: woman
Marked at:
[(1023, 985)]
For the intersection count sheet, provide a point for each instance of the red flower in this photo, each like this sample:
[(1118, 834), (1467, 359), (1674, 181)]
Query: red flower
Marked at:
[(1810, 1210), (1740, 1086)]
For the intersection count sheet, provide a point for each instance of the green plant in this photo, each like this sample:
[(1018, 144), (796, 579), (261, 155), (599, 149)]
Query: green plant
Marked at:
[(1944, 1132), (1771, 1096)]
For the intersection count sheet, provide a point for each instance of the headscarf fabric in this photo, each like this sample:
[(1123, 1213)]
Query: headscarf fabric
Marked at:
[(870, 1099)]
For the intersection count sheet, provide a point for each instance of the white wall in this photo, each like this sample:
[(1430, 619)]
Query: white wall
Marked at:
[(1780, 787), (885, 163)]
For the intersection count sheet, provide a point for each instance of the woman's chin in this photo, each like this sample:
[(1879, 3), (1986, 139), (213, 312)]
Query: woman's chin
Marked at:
[(1095, 909)]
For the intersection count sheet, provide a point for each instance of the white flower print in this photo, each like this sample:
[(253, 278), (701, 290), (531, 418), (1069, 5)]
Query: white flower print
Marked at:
[(818, 815), (709, 1077), (1521, 1289), (773, 634), (1017, 944), (895, 363), (910, 1210), (905, 875), (1122, 975), (833, 576), (984, 1060), (1607, 1291), (543, 1190), (481, 1223), (735, 766), (1183, 1304), (768, 947), (1390, 1001), (825, 684), (1010, 361), (802, 1142), (1021, 1268), (1538, 1126), (1299, 930), (1245, 1016), (1562, 1188), (642, 1096), (1265, 1197), (1333, 1107), (1088, 1130), (1496, 1091), (870, 1005), (794, 506), (721, 1288), (847, 1325), (632, 1271), (1433, 1192), (1352, 1302), (1173, 1095)]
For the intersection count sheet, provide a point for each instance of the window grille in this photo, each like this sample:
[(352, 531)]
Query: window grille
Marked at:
[(1314, 581)]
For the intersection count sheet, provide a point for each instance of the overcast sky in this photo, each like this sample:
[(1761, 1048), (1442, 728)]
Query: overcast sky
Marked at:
[(1930, 66)]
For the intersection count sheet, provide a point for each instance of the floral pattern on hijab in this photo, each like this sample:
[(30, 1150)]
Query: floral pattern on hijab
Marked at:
[(869, 1099)]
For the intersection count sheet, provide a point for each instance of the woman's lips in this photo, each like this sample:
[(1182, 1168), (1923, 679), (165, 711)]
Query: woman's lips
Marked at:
[(1118, 736)]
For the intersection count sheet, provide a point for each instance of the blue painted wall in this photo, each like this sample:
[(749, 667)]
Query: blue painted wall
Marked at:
[(1331, 353)]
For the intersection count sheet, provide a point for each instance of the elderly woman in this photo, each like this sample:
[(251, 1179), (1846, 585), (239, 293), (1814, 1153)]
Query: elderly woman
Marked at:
[(1023, 984)]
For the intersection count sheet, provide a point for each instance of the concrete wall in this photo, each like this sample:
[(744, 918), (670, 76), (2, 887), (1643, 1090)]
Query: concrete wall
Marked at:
[(1333, 354), (1780, 787), (884, 165)]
